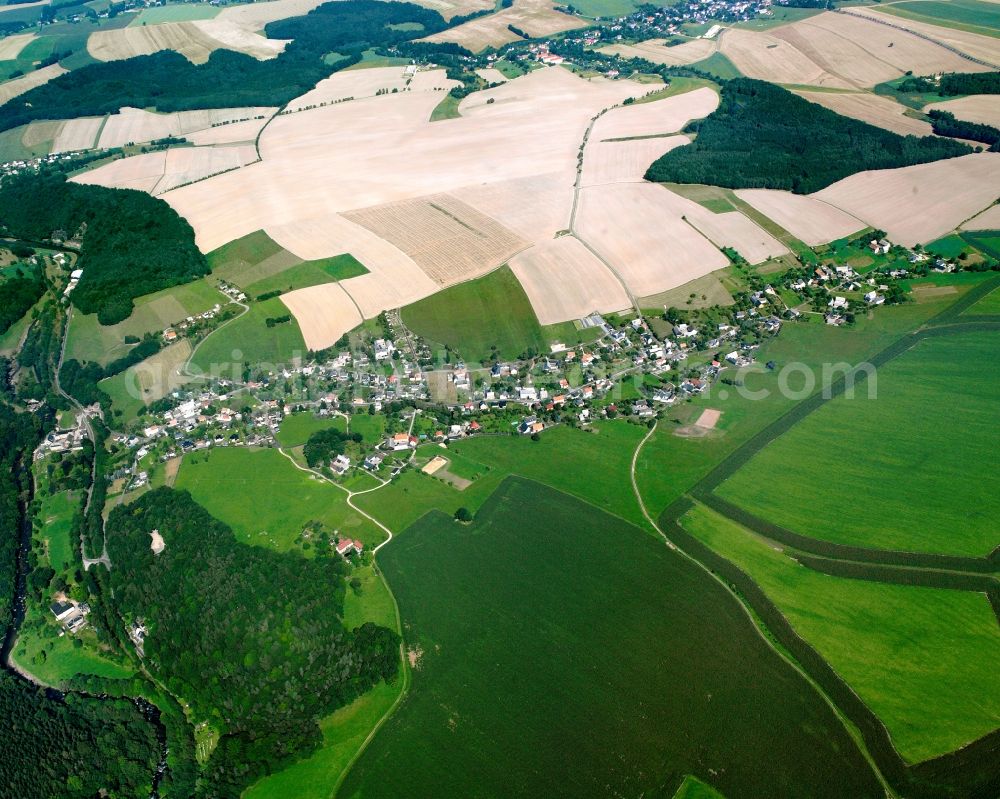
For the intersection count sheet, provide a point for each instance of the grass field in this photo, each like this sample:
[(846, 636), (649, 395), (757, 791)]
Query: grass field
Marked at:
[(371, 427), (950, 246), (89, 340), (693, 788), (544, 600), (465, 318), (285, 498), (309, 273), (810, 343), (591, 465), (174, 12), (780, 16), (970, 15), (344, 731), (446, 109), (248, 338), (719, 66), (923, 659), (987, 241), (296, 429), (903, 471), (244, 252), (990, 304), (606, 8), (56, 515)]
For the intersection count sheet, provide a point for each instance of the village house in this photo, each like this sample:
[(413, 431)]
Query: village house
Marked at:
[(347, 546)]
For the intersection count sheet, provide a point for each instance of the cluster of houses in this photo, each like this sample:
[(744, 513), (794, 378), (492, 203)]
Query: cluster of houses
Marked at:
[(66, 439), (71, 615)]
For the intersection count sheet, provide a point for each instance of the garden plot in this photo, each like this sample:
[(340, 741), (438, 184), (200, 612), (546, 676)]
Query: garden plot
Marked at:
[(809, 219), (871, 108), (635, 228), (917, 204), (564, 280)]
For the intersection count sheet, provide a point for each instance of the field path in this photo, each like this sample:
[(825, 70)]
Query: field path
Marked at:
[(184, 370)]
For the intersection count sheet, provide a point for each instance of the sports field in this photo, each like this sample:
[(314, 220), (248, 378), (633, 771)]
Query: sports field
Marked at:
[(222, 479), (923, 659), (465, 318), (593, 465), (247, 338), (902, 471), (543, 600)]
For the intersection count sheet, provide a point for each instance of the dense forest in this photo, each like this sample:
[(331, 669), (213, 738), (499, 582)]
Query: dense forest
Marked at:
[(250, 637), (17, 295), (953, 83), (325, 445), (945, 124), (133, 244), (169, 82), (762, 136)]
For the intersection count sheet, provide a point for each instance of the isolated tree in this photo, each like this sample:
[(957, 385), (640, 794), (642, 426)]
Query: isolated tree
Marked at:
[(463, 514)]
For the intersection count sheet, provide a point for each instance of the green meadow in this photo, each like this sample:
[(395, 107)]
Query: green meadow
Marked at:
[(909, 470), (593, 465), (970, 15), (247, 338), (226, 481), (465, 319), (544, 600), (89, 340), (56, 515), (693, 788), (923, 659), (988, 305), (174, 12), (670, 465), (309, 273), (296, 429)]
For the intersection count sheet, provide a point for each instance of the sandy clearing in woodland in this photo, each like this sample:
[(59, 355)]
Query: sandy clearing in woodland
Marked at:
[(195, 40), (324, 313), (656, 51), (451, 241), (810, 220), (864, 53), (12, 88), (137, 125), (633, 226), (173, 167), (981, 108), (11, 46), (986, 48), (871, 108), (537, 18), (384, 149), (564, 280), (624, 161), (766, 57), (987, 220), (917, 204), (660, 116)]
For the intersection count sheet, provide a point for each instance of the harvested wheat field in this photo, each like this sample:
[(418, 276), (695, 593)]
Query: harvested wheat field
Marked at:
[(393, 279), (451, 241), (195, 40), (358, 83), (137, 125), (871, 108), (987, 220), (11, 46), (656, 50), (492, 75), (324, 313), (810, 220), (564, 280), (766, 57), (864, 53), (634, 227), (917, 204), (231, 133), (981, 108), (77, 134), (660, 116), (985, 48), (164, 170), (254, 16), (537, 18), (383, 149), (547, 212), (624, 161), (12, 88)]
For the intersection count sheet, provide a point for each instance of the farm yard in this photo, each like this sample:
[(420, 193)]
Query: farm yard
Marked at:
[(221, 481), (813, 481), (920, 658), (468, 695)]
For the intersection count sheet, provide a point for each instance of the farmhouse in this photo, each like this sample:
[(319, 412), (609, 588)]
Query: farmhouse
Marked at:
[(347, 546), (340, 464)]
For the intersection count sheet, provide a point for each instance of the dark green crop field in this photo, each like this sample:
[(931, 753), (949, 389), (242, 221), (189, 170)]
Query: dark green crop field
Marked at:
[(926, 485), (563, 652)]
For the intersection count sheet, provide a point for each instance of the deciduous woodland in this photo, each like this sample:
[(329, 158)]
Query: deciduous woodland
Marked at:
[(764, 137)]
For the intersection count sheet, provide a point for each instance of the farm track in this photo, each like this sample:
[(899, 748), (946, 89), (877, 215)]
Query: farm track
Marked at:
[(973, 770)]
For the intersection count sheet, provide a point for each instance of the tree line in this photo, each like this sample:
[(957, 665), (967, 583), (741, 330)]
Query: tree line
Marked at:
[(945, 124), (763, 136)]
